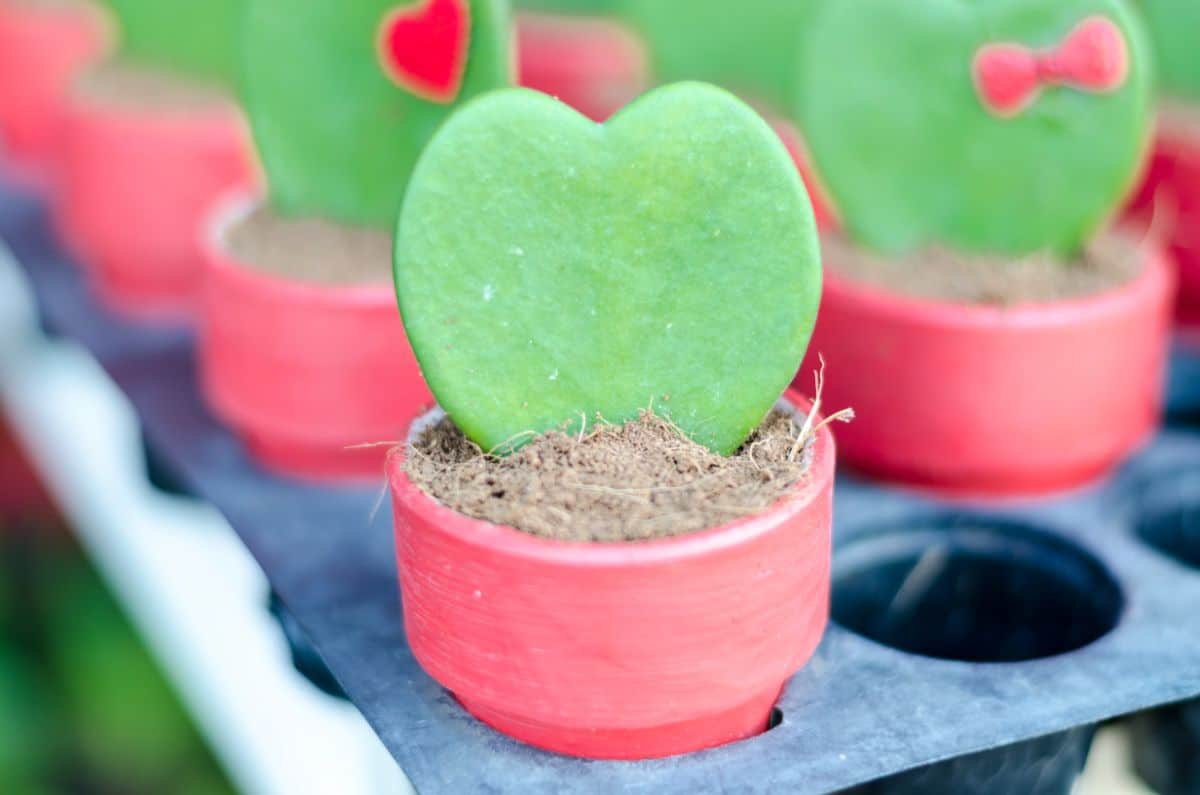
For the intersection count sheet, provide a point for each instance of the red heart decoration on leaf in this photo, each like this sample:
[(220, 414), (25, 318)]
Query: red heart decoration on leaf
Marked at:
[(423, 48)]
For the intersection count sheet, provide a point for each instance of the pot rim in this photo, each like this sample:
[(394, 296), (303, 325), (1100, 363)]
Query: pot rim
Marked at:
[(238, 205), (511, 542), (1155, 282)]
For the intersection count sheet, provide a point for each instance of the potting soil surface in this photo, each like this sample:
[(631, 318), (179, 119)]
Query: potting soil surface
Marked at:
[(1110, 262), (634, 482), (312, 249), (1179, 117), (49, 3), (132, 86)]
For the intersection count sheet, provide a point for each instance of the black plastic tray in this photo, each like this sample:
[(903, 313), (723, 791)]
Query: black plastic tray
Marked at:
[(985, 584)]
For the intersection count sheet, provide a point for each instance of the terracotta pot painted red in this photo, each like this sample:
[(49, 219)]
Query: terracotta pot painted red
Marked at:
[(305, 373), (594, 65), (970, 400), (1172, 188), (42, 47), (136, 188), (617, 651)]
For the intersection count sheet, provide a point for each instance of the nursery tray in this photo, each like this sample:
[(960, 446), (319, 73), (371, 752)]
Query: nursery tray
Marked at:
[(914, 577)]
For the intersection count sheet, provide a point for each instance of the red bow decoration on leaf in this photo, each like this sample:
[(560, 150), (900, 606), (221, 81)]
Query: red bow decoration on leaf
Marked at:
[(423, 48), (1093, 57)]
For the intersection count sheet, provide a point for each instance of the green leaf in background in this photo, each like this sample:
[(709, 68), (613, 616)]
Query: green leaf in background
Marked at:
[(125, 719), (193, 37), (911, 155), (25, 726), (339, 138), (749, 47), (126, 716), (82, 705), (1175, 30), (549, 268)]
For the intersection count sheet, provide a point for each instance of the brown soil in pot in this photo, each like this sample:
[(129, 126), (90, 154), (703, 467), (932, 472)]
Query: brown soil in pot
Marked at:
[(46, 3), (132, 86), (637, 482), (1109, 263), (312, 249), (53, 4), (1179, 117)]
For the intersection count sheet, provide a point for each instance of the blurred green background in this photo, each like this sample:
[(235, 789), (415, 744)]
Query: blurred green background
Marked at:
[(83, 708)]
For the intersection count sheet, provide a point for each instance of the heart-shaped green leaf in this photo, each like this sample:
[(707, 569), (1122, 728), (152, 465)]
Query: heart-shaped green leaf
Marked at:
[(549, 268), (337, 132), (900, 129)]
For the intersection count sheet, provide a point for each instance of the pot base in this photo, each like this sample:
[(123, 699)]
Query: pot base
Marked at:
[(137, 299), (652, 742), (24, 176), (318, 462)]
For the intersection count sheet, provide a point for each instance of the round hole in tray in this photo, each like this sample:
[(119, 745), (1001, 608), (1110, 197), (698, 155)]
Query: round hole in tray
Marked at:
[(976, 590), (1170, 517)]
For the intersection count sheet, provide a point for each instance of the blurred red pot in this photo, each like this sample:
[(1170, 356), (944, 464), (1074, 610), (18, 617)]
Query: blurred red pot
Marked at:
[(971, 400), (305, 373), (1170, 195), (136, 186), (42, 47), (594, 65)]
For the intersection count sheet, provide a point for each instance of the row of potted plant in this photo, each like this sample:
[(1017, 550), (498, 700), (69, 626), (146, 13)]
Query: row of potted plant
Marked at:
[(1000, 392), (564, 285), (751, 49), (1047, 377), (304, 368), (132, 121), (191, 151)]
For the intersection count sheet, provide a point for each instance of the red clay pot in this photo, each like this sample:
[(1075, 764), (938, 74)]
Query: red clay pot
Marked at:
[(617, 651), (970, 400), (1172, 186), (42, 47), (305, 372), (136, 188), (594, 65)]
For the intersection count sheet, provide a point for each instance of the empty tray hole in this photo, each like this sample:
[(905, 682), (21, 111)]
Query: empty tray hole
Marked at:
[(973, 590), (1174, 530)]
